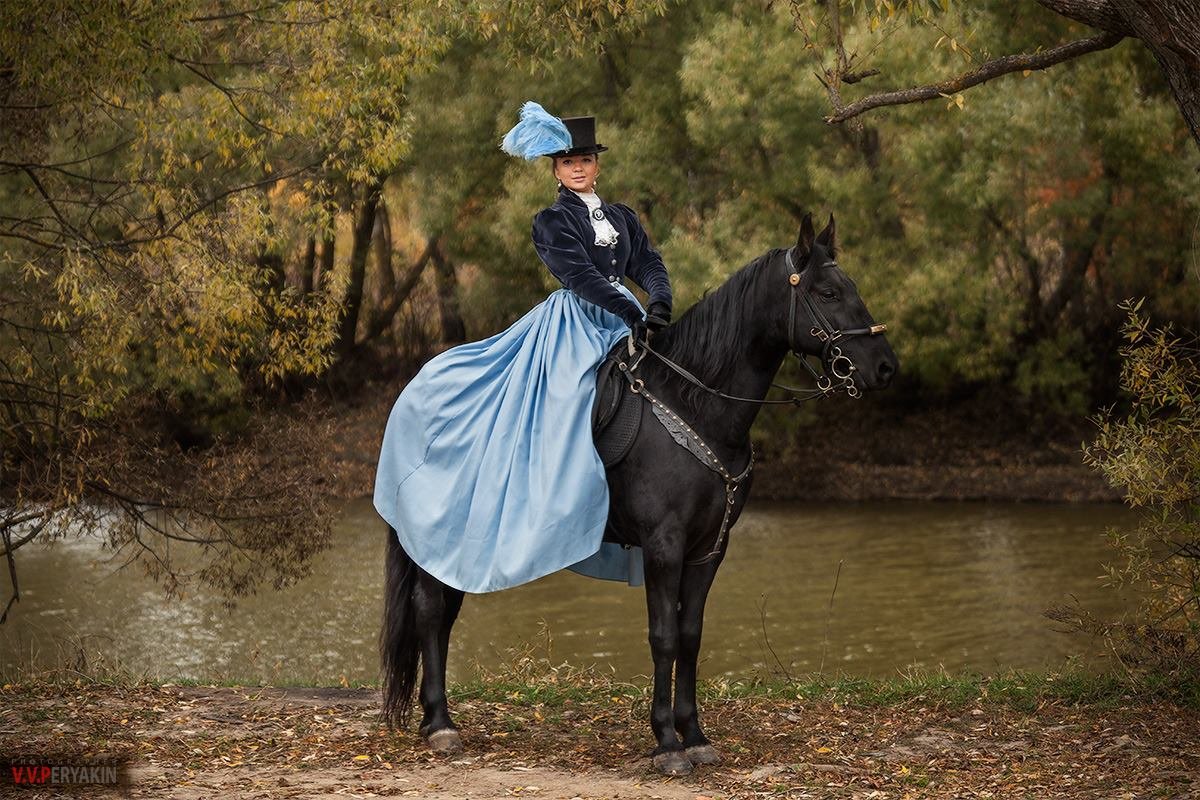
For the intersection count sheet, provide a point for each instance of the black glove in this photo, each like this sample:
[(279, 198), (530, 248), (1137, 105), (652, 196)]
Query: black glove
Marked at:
[(640, 332), (658, 316)]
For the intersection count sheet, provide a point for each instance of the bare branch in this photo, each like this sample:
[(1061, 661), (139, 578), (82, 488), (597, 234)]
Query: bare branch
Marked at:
[(383, 317), (10, 547), (985, 73), (855, 77)]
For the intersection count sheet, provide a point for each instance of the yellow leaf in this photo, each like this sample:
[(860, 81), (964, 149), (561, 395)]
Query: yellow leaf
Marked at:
[(824, 750), (362, 758)]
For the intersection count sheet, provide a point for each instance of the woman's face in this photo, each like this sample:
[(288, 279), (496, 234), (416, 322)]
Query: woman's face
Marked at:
[(577, 172)]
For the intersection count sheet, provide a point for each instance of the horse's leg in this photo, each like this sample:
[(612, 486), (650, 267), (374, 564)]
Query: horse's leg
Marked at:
[(696, 581), (662, 601), (436, 606)]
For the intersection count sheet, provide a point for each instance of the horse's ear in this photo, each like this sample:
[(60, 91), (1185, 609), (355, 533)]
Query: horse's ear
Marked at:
[(828, 237), (807, 235)]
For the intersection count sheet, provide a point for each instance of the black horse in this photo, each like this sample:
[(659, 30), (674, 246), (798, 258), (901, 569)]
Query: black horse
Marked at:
[(717, 363)]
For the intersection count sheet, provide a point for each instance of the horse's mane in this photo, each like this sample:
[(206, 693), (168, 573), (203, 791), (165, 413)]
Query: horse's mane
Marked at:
[(710, 335)]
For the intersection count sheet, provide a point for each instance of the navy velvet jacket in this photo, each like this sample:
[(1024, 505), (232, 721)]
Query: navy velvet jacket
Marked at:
[(563, 236)]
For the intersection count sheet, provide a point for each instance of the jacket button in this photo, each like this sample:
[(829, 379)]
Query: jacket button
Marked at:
[(612, 278), (614, 262)]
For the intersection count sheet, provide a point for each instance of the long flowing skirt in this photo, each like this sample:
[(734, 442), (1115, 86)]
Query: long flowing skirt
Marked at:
[(487, 471)]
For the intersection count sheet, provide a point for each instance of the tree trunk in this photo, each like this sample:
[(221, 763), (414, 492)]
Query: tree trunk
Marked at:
[(381, 240), (1170, 28), (364, 225), (328, 251), (381, 320), (308, 267), (454, 330)]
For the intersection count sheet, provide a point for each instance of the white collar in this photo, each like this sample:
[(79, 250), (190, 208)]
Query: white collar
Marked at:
[(590, 199)]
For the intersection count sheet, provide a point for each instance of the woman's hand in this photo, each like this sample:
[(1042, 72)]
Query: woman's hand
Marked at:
[(658, 316)]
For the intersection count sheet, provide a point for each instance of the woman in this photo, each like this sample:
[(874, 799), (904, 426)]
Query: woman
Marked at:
[(487, 471)]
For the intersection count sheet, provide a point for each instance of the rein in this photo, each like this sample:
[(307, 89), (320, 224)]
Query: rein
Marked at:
[(832, 358)]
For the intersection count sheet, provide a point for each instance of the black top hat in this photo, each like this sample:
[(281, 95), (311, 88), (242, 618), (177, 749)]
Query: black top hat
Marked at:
[(583, 137)]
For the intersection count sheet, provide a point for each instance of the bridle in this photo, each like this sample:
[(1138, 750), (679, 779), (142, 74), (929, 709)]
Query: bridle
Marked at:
[(832, 357)]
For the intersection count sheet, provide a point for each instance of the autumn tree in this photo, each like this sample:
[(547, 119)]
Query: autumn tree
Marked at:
[(172, 178)]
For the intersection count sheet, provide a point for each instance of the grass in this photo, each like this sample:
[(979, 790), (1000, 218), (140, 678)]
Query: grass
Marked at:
[(1025, 691), (530, 678)]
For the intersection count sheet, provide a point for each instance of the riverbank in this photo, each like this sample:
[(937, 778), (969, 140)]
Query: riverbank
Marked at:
[(563, 736), (846, 450)]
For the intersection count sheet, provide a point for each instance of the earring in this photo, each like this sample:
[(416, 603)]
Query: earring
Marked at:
[(560, 184)]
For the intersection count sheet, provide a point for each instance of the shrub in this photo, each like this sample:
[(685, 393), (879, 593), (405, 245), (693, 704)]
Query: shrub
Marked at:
[(1152, 453)]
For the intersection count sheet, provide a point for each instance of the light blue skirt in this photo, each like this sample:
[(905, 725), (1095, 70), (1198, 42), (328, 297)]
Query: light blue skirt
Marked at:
[(488, 472)]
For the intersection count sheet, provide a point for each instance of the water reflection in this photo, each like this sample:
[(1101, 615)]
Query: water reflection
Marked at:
[(957, 585)]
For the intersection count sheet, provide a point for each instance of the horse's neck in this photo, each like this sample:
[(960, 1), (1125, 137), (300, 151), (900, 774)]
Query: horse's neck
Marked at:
[(742, 363), (727, 423)]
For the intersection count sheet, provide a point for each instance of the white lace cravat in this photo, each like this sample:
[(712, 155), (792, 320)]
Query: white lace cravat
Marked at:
[(606, 234)]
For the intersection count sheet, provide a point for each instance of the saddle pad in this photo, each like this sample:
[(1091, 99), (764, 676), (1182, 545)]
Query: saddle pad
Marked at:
[(616, 414)]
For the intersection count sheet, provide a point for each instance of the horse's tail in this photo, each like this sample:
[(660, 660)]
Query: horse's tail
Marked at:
[(399, 646)]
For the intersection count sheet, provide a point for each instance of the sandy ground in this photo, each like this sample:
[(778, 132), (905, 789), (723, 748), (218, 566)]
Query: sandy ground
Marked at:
[(200, 742)]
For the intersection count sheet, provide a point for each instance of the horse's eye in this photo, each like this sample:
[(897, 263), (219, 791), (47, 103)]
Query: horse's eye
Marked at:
[(829, 294)]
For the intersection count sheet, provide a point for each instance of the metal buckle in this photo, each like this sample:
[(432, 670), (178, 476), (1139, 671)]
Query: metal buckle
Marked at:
[(836, 365)]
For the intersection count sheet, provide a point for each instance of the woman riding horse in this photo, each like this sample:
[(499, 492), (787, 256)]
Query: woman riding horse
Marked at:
[(487, 472), (477, 438)]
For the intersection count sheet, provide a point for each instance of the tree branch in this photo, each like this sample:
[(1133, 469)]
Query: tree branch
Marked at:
[(986, 72), (1101, 14), (384, 316)]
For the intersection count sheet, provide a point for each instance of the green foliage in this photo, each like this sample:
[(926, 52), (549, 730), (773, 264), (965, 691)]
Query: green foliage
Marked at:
[(995, 237), (1152, 454)]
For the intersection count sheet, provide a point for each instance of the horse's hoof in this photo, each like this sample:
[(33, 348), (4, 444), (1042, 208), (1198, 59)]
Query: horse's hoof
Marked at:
[(703, 754), (673, 762), (445, 742)]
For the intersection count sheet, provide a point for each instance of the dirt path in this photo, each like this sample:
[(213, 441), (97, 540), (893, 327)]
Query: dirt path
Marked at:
[(194, 743)]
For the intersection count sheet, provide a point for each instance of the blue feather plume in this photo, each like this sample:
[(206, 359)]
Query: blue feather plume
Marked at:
[(538, 133)]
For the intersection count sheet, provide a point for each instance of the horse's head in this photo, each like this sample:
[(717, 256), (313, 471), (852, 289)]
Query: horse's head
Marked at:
[(827, 317)]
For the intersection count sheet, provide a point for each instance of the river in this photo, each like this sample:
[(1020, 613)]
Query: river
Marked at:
[(954, 585)]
